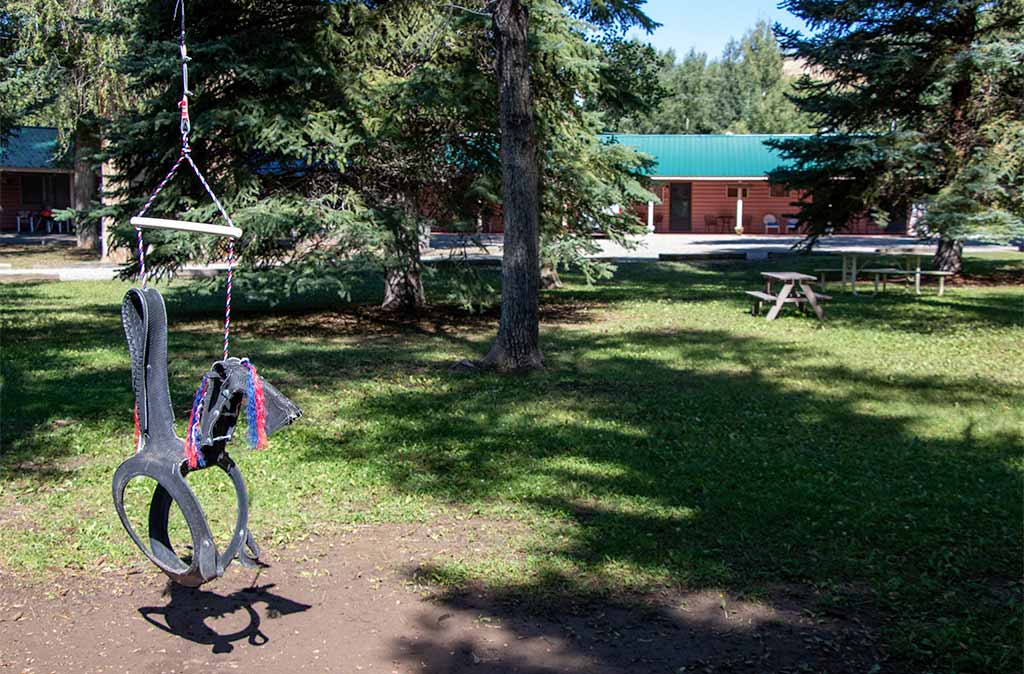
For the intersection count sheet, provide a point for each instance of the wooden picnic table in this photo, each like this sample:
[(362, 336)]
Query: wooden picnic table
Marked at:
[(912, 266), (791, 281), (913, 256)]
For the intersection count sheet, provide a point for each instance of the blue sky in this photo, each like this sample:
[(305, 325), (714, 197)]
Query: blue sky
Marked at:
[(709, 25)]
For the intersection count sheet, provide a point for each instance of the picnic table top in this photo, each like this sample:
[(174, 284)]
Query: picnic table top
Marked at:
[(788, 276), (906, 250), (919, 251)]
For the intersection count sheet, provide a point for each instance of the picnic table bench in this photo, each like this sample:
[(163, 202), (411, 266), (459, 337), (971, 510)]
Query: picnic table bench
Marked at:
[(791, 281), (884, 273), (910, 269)]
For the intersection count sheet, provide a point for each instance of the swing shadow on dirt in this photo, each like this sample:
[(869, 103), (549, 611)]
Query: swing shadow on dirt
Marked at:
[(187, 613)]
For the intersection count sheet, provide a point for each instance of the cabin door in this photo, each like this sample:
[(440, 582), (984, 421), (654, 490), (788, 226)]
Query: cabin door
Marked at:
[(679, 208)]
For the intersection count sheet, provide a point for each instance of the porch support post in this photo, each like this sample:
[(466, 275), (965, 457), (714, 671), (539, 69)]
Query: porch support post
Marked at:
[(650, 217), (739, 214)]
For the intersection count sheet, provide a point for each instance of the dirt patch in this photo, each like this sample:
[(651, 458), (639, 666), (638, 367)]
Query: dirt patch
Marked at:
[(354, 603), (437, 320)]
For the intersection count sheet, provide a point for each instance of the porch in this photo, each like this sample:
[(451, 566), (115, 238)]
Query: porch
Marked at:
[(715, 206)]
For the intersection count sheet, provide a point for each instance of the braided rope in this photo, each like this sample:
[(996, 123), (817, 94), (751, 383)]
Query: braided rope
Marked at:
[(231, 245), (145, 207), (227, 299)]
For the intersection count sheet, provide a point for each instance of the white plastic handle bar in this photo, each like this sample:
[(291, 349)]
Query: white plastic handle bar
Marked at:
[(202, 227)]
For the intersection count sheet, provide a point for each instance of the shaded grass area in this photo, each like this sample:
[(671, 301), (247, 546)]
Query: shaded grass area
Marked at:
[(673, 440), (20, 256)]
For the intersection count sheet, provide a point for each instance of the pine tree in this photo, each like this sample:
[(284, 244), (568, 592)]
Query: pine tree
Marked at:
[(66, 67), (517, 346), (336, 132), (583, 179), (919, 103), (414, 80), (270, 127), (10, 102)]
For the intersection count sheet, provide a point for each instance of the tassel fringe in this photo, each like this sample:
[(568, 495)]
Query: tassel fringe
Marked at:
[(256, 408), (193, 453)]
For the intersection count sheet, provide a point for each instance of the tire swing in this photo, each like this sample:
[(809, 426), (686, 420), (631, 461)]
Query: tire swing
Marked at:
[(160, 454)]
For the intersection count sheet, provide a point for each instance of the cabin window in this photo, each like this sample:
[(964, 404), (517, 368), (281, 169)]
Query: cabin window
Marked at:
[(737, 192), (779, 191)]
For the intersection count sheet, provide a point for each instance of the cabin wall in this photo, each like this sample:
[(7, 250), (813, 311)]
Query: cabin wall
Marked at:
[(713, 211), (50, 190)]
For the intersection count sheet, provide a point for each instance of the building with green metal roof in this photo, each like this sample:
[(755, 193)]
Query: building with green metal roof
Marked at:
[(706, 156), (33, 177), (717, 184)]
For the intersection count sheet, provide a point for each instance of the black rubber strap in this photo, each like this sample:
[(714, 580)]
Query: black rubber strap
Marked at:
[(163, 458), (169, 473)]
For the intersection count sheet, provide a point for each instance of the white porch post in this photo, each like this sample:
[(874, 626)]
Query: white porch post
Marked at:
[(650, 217), (739, 213)]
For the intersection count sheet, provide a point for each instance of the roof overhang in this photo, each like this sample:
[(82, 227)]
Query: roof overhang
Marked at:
[(13, 169), (716, 178)]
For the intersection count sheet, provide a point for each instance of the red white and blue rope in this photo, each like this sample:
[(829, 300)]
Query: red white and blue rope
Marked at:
[(145, 207), (227, 301), (256, 408), (193, 439), (231, 247)]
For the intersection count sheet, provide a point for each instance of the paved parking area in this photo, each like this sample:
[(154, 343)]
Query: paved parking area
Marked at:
[(657, 246)]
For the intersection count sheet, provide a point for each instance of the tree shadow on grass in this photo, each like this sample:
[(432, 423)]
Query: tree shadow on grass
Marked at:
[(676, 458)]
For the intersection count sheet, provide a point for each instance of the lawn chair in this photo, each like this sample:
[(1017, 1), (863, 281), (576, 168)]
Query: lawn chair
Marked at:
[(26, 218)]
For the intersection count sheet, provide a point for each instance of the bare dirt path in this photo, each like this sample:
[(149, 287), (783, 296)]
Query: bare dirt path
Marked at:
[(350, 603)]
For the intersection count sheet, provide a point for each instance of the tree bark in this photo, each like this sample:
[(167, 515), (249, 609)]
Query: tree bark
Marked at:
[(517, 346), (403, 290), (84, 186), (949, 255), (403, 279)]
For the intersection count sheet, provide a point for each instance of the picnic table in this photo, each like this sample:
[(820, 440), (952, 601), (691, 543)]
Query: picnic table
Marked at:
[(913, 256), (911, 268), (791, 282)]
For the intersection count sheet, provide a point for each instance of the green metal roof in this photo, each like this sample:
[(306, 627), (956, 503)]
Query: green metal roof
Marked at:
[(706, 156), (30, 147)]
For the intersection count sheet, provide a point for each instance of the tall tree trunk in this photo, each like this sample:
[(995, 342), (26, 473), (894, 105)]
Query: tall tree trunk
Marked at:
[(949, 255), (517, 346), (84, 185), (403, 279), (403, 290)]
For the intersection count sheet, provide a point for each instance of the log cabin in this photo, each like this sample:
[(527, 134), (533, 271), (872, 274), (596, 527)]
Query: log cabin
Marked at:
[(32, 180), (708, 183)]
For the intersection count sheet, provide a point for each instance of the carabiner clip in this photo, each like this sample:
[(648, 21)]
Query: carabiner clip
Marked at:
[(185, 125)]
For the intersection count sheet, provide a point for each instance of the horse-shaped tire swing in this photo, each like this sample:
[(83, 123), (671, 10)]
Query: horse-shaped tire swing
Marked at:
[(160, 454)]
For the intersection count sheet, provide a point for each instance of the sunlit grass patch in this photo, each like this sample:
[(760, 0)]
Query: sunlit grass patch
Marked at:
[(673, 439)]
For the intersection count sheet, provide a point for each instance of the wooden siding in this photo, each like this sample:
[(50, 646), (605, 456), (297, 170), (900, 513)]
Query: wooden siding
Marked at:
[(11, 198), (710, 198)]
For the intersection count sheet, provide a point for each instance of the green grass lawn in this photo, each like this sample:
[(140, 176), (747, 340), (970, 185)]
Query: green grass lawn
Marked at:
[(673, 440), (45, 255)]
